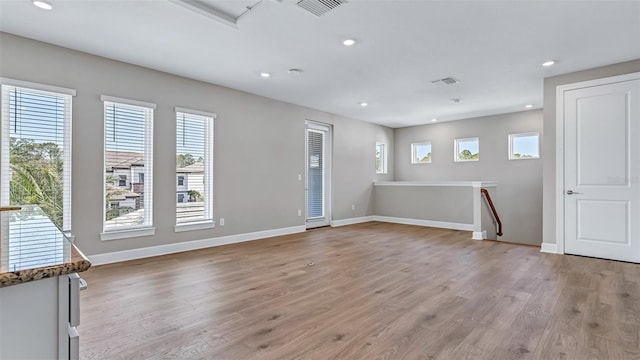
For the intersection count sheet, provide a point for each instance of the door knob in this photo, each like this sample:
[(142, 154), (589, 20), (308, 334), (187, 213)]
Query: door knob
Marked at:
[(571, 192)]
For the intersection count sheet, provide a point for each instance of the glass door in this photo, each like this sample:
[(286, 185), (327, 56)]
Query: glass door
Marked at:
[(318, 159)]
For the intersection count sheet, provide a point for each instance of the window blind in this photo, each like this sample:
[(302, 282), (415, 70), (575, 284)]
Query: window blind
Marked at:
[(35, 156), (315, 165), (194, 166), (128, 166), (32, 240)]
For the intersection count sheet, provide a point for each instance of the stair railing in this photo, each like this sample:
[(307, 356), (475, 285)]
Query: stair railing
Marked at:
[(496, 218)]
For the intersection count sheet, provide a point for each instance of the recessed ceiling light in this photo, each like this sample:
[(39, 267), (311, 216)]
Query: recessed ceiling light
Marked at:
[(42, 4), (528, 106), (349, 42), (434, 120), (295, 71), (265, 74), (363, 104), (548, 63), (455, 100)]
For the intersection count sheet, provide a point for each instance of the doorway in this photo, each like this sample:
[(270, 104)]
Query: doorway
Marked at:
[(318, 174), (599, 168)]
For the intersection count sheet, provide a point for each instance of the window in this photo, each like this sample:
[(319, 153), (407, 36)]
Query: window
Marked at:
[(421, 153), (35, 151), (194, 169), (128, 149), (381, 158), (467, 149), (524, 146), (141, 178)]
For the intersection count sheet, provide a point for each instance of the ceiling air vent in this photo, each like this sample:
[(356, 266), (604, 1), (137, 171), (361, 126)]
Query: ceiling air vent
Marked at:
[(320, 7), (445, 81)]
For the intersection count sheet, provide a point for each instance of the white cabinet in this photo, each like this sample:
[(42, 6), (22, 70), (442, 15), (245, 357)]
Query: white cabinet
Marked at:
[(39, 319)]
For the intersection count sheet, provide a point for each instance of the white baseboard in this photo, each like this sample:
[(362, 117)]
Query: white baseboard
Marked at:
[(431, 223), (351, 221), (479, 235), (108, 258), (549, 248)]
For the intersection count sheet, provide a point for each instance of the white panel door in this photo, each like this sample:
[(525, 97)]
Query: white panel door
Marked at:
[(602, 171), (318, 174)]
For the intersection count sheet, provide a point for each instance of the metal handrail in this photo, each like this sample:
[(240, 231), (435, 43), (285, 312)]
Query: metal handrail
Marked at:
[(487, 197)]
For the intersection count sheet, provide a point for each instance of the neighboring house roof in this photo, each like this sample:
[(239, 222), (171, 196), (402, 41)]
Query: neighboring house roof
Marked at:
[(124, 196), (122, 159), (127, 159), (193, 168)]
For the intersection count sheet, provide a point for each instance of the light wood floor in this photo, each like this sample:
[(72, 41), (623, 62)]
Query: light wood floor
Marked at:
[(367, 291)]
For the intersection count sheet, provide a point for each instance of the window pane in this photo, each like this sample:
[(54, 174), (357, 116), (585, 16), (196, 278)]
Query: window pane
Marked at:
[(127, 159), (467, 149), (421, 153), (524, 146), (35, 140), (194, 168), (381, 159)]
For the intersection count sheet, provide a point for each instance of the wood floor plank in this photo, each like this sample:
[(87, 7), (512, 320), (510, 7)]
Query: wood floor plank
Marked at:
[(365, 291)]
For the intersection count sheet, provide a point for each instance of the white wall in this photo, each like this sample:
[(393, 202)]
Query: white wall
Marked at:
[(519, 192), (251, 195)]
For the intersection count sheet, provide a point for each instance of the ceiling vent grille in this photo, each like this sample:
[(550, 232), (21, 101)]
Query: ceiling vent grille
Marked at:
[(320, 7), (445, 81)]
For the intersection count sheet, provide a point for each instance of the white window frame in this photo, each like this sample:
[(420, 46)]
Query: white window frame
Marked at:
[(208, 221), (413, 152), (519, 135), (68, 94), (147, 228), (456, 146), (383, 158)]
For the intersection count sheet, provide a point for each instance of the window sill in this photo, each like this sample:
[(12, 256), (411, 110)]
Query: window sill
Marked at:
[(201, 225), (129, 233), (526, 158)]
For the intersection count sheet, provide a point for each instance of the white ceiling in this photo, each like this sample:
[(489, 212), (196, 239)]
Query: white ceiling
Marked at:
[(494, 48)]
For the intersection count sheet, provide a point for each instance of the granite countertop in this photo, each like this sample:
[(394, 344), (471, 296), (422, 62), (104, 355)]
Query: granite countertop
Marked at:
[(33, 248)]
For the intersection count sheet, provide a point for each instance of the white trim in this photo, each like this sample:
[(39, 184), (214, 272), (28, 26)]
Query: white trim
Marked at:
[(315, 125), (351, 221), (130, 233), (195, 112), (117, 256), (209, 12), (479, 235), (420, 222), (37, 86), (437, 183), (200, 225), (119, 100), (560, 90), (549, 248), (559, 170)]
